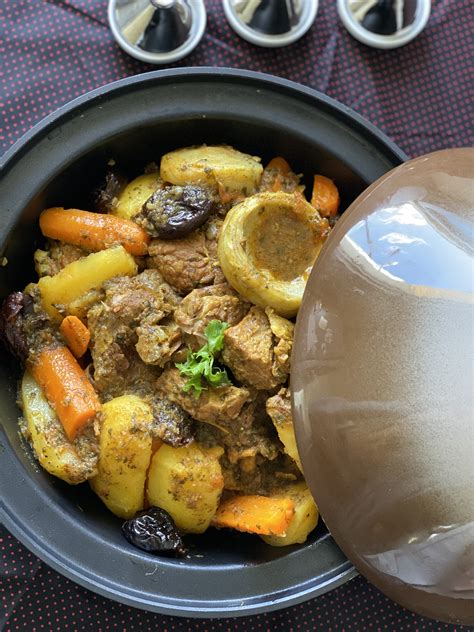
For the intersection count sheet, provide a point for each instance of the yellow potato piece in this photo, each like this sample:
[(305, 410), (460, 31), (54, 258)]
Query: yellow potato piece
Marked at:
[(81, 276), (305, 518), (187, 482), (72, 462), (135, 194), (233, 170), (125, 454)]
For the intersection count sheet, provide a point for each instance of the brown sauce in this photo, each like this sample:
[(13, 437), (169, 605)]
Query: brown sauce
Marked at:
[(283, 244)]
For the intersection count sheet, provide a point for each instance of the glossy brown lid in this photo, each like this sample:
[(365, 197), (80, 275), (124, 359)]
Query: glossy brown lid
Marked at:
[(382, 384)]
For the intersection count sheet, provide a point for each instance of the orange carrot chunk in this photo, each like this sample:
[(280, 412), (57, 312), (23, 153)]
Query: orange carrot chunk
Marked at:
[(282, 169), (66, 388), (280, 165), (76, 335), (255, 514), (325, 197), (93, 231)]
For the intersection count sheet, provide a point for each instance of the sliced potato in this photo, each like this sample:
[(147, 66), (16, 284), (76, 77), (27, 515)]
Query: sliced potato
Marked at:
[(81, 276), (267, 246), (305, 518), (73, 462), (135, 194), (125, 454), (186, 482), (233, 171)]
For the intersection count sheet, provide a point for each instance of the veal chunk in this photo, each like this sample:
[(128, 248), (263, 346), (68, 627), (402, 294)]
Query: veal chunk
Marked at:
[(59, 255), (157, 342), (249, 350), (128, 303), (190, 262), (216, 302), (217, 406)]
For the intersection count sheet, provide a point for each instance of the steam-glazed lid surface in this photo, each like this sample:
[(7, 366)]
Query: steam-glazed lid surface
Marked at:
[(382, 384)]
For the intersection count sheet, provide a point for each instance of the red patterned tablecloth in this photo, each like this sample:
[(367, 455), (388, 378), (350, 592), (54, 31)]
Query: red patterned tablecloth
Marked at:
[(420, 95)]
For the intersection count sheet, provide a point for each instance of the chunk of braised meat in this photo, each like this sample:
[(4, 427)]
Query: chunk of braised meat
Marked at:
[(258, 475), (190, 262), (216, 405), (253, 455), (25, 328), (249, 351), (175, 211), (250, 434), (56, 257), (171, 423), (12, 317), (215, 302), (279, 408), (157, 341), (136, 298), (113, 323), (107, 194)]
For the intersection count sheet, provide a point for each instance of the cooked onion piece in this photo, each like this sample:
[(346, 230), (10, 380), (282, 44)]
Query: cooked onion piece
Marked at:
[(232, 171), (267, 246)]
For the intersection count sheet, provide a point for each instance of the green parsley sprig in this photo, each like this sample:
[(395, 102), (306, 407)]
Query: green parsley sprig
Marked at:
[(199, 364)]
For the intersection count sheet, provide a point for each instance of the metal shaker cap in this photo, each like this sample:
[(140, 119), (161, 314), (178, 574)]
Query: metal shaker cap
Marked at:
[(270, 23), (157, 31), (384, 23)]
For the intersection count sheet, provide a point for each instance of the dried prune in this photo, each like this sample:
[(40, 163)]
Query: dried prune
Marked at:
[(171, 423), (174, 211), (153, 530), (12, 330)]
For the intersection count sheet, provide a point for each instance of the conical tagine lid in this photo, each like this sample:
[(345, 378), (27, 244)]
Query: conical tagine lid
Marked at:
[(382, 384)]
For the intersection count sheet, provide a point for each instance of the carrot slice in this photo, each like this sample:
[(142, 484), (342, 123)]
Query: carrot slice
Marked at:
[(325, 197), (66, 388), (255, 514), (282, 169), (93, 231), (76, 335), (279, 164)]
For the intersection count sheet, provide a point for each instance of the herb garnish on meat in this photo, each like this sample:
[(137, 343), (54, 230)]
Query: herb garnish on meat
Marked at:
[(200, 364)]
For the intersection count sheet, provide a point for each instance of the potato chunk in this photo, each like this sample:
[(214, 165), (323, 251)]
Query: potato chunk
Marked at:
[(186, 482), (231, 170), (82, 276), (125, 454), (73, 462), (305, 518), (135, 194)]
